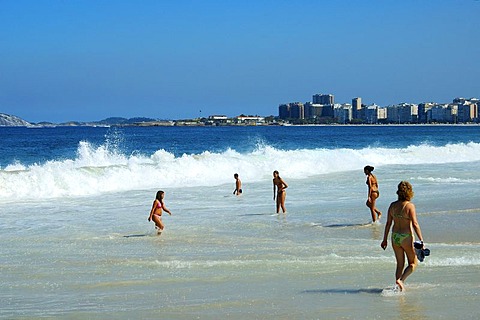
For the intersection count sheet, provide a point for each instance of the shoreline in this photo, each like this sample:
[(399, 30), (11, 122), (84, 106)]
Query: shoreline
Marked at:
[(175, 124)]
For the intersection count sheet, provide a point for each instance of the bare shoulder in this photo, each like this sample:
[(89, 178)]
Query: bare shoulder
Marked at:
[(410, 208), (395, 205), (410, 205)]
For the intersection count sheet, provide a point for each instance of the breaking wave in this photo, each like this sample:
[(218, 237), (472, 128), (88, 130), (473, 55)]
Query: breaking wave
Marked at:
[(104, 168)]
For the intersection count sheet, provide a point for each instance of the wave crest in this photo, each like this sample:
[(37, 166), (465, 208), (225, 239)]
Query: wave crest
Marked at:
[(102, 169)]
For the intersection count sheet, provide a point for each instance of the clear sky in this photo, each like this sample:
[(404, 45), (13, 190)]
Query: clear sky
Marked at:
[(88, 60)]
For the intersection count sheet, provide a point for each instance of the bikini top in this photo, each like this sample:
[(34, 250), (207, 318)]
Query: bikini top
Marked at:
[(400, 215), (374, 181), (159, 205)]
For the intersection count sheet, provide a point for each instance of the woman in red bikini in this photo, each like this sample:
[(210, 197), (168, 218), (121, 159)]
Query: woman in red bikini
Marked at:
[(157, 210)]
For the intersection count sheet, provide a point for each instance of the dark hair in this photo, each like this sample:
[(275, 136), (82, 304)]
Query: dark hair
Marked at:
[(368, 168), (235, 175), (405, 191), (159, 195), (276, 171)]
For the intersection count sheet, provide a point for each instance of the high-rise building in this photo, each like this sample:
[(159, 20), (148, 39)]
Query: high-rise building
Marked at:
[(313, 110), (402, 113), (441, 113), (323, 99), (356, 108), (343, 113), (423, 109), (467, 112), (291, 110), (297, 110), (284, 111), (371, 114)]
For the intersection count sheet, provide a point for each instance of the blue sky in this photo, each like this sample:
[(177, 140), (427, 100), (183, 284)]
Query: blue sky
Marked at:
[(88, 60)]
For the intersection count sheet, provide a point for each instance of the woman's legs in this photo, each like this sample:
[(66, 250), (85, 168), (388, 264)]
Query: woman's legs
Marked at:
[(158, 222), (372, 211), (407, 246), (376, 214), (374, 207), (400, 252), (281, 201), (400, 257), (282, 197)]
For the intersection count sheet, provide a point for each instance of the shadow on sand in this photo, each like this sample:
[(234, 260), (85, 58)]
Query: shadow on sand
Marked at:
[(346, 291), (347, 225), (135, 235)]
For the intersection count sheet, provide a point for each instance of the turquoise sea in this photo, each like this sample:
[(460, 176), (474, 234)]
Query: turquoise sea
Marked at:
[(76, 243)]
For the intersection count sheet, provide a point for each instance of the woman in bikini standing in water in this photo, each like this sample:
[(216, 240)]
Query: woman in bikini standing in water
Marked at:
[(402, 214), (373, 193), (281, 193), (156, 212)]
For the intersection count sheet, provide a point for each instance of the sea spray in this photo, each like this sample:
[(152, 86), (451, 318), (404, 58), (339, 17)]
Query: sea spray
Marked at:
[(105, 168)]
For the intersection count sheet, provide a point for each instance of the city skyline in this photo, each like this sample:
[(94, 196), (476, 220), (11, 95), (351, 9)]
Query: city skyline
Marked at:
[(323, 109), (82, 61)]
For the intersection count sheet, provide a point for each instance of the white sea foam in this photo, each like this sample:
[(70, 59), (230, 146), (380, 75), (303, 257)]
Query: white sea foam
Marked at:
[(452, 262), (448, 180), (102, 169)]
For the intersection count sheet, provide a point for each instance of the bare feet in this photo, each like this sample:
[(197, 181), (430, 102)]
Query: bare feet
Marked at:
[(400, 285), (379, 215)]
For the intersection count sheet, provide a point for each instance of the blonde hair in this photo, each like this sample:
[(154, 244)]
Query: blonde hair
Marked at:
[(405, 191)]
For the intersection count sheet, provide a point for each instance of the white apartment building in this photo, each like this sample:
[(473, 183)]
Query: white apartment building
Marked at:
[(443, 113), (250, 119), (467, 112), (371, 114), (402, 113), (382, 114), (343, 112)]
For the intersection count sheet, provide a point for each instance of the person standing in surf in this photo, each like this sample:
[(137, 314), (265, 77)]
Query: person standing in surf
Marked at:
[(238, 185), (373, 193), (157, 209), (402, 214), (281, 194)]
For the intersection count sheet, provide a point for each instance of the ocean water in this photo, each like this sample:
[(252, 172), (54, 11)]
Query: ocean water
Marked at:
[(76, 243)]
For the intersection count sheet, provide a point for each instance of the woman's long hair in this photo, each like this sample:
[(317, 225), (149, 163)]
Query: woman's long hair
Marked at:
[(159, 196)]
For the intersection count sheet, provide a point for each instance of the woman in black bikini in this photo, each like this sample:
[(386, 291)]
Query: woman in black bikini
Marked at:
[(373, 193)]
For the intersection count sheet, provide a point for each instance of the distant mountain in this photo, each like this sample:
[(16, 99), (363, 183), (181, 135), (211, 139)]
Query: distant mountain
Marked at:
[(12, 121), (119, 121)]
